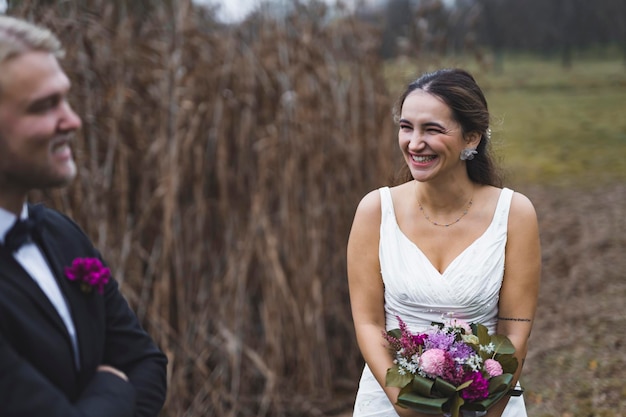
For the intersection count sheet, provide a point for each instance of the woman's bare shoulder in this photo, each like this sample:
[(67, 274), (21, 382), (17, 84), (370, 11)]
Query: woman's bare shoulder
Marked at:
[(522, 208), (369, 209)]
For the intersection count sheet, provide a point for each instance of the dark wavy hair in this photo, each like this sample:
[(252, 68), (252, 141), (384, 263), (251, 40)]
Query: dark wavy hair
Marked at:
[(458, 89)]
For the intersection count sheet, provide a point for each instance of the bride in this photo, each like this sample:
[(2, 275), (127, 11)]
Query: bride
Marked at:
[(449, 241)]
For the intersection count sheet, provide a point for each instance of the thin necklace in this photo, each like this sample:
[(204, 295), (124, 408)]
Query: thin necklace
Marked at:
[(427, 217)]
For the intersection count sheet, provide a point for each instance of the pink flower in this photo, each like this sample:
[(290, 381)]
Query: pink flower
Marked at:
[(419, 339), (462, 324), (493, 367), (433, 362), (408, 342), (89, 272)]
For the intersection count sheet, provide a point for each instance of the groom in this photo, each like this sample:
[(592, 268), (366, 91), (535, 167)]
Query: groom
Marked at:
[(69, 343)]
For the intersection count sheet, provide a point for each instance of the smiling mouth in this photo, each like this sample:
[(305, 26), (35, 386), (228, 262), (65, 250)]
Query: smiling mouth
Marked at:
[(61, 147), (61, 143), (427, 158)]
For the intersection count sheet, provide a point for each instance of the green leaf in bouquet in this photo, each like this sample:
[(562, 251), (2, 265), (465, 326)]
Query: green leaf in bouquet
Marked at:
[(500, 383), (432, 397), (464, 385), (423, 404), (422, 386), (485, 404), (455, 405), (434, 388), (394, 378), (503, 344), (509, 363), (396, 333), (445, 388)]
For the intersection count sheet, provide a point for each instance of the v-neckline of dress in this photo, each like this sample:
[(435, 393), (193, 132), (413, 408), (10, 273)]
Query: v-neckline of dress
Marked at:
[(460, 254)]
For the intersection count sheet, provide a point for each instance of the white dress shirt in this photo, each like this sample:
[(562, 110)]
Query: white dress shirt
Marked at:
[(30, 257)]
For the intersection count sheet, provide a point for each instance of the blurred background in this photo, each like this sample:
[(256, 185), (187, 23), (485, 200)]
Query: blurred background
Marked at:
[(225, 146)]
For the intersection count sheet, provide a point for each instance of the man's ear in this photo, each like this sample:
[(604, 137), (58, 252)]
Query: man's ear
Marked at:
[(473, 139)]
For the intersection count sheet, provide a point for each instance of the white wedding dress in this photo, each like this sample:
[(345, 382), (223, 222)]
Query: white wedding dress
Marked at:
[(415, 290)]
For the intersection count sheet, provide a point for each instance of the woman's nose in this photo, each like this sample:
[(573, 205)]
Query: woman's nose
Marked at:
[(416, 142)]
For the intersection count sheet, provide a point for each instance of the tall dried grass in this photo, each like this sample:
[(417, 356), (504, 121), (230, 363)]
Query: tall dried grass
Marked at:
[(219, 170)]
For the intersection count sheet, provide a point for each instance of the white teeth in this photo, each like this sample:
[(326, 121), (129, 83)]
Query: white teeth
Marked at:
[(60, 147), (417, 158)]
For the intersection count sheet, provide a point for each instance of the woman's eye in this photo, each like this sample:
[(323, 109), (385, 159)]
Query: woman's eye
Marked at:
[(405, 127)]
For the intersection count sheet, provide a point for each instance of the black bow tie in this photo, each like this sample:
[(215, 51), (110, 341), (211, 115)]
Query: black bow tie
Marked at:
[(22, 232)]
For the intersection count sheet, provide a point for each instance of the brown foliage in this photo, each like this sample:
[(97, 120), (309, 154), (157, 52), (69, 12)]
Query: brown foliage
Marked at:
[(219, 171)]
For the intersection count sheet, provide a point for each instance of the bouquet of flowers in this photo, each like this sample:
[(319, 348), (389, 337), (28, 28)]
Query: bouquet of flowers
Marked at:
[(450, 367)]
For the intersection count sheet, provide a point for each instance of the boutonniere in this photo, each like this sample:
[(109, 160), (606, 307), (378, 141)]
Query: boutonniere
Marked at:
[(89, 273)]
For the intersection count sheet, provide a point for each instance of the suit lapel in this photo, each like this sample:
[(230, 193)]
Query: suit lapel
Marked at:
[(79, 304), (13, 272)]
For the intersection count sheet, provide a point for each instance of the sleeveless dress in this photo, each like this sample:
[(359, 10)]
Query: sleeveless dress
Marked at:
[(417, 292)]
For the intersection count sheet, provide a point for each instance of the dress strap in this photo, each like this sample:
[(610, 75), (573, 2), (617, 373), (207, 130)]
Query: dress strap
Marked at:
[(386, 204), (501, 215)]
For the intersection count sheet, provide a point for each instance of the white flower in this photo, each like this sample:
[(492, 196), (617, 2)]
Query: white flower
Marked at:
[(474, 362), (406, 365), (490, 348)]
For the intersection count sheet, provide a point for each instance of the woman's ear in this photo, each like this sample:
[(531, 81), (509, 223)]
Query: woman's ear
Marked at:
[(473, 139)]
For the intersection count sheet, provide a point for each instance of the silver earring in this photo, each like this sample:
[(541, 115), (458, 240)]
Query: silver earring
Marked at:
[(467, 154)]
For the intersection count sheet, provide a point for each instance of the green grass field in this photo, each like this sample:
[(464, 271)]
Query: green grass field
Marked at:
[(551, 125)]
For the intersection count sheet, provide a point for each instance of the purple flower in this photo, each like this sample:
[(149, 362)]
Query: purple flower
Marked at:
[(89, 273), (439, 340), (461, 351), (478, 389)]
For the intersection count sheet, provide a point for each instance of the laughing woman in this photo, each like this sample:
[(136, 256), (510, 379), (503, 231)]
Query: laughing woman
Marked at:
[(447, 241)]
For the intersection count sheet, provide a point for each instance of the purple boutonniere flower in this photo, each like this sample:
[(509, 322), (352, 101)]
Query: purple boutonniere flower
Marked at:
[(89, 273)]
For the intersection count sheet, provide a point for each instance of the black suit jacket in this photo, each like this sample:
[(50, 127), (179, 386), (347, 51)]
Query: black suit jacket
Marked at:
[(38, 375)]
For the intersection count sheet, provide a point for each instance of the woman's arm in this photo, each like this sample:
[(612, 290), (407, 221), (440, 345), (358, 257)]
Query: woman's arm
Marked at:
[(520, 288), (367, 293)]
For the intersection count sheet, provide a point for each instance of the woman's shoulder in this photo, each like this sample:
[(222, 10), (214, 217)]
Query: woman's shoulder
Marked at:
[(521, 207), (370, 207), (520, 204), (367, 219), (370, 204), (522, 215)]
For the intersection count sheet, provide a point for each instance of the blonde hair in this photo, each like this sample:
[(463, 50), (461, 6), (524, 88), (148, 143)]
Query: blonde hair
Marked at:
[(19, 36)]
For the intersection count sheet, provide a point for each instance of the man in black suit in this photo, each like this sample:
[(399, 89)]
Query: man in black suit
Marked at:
[(69, 343)]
